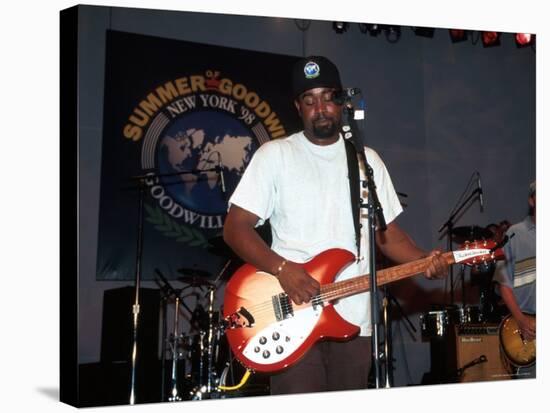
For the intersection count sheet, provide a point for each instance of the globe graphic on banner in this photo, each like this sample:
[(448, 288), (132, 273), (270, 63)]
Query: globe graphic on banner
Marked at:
[(200, 145)]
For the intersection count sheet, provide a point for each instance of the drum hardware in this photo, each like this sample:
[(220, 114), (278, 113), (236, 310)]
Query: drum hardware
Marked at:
[(202, 347), (174, 395), (207, 385), (174, 342), (435, 324)]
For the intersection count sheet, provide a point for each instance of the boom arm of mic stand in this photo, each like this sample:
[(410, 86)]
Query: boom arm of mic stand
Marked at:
[(459, 209), (449, 225)]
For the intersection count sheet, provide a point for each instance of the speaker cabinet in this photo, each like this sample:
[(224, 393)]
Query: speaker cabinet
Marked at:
[(478, 353), (117, 328)]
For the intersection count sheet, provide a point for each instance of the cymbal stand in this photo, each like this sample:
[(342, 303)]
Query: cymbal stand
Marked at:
[(213, 334), (210, 338), (169, 292), (206, 385), (174, 396)]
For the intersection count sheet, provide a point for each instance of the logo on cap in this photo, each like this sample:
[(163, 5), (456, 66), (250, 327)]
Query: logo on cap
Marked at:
[(311, 70)]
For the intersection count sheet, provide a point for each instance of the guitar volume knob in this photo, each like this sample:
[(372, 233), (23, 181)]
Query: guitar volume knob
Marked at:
[(263, 340), (266, 354)]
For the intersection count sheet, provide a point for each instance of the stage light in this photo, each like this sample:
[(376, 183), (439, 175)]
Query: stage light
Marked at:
[(524, 39), (393, 33), (490, 39), (340, 27), (458, 35), (423, 31)]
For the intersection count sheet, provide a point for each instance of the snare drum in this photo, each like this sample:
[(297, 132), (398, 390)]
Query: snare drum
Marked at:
[(434, 324)]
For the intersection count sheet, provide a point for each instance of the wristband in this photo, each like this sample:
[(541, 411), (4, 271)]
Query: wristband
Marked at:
[(280, 268)]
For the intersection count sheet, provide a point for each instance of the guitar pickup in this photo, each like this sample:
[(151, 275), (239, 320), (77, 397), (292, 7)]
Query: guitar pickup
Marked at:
[(282, 307)]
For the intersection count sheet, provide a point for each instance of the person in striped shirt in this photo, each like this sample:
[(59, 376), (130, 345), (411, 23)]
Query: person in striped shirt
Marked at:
[(516, 275)]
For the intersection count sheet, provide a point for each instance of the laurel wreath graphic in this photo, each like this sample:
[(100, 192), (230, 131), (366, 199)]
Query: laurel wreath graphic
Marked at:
[(170, 228)]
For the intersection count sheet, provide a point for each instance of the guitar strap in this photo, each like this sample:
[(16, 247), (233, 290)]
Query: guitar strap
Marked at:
[(354, 190)]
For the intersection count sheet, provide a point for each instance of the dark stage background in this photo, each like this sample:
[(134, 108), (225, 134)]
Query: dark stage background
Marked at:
[(436, 112)]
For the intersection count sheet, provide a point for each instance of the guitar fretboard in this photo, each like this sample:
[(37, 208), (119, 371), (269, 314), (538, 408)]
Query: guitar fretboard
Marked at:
[(356, 285)]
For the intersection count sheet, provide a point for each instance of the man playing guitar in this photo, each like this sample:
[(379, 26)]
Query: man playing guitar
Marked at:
[(300, 184)]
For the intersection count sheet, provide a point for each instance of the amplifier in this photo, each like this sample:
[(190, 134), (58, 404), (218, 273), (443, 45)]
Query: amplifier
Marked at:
[(478, 354)]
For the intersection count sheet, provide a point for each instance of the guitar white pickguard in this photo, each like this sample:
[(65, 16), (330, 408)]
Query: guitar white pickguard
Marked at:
[(280, 339)]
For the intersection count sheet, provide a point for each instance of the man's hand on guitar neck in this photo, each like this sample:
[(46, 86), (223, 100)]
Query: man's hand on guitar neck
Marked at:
[(399, 247), (438, 267), (297, 283)]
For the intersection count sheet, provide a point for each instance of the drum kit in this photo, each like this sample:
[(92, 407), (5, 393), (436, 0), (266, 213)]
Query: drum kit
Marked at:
[(436, 323), (199, 359)]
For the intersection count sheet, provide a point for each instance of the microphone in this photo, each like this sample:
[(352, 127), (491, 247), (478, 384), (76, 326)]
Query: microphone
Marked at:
[(345, 94), (220, 171), (480, 190)]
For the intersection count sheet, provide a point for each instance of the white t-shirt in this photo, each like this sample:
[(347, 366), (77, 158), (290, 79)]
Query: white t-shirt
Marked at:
[(303, 189)]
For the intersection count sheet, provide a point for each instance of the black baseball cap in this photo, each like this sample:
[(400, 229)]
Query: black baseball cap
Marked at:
[(312, 72)]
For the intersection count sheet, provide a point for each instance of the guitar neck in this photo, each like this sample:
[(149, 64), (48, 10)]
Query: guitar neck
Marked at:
[(361, 283)]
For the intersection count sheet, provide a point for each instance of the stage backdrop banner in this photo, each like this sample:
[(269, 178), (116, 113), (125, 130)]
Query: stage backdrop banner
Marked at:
[(180, 114)]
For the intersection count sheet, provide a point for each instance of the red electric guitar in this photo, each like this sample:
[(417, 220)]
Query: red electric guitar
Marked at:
[(267, 332)]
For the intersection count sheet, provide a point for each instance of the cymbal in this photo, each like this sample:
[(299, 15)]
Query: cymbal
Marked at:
[(470, 233), (194, 276), (195, 281)]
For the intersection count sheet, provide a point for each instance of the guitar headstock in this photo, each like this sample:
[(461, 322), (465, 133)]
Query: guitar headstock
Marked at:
[(478, 252)]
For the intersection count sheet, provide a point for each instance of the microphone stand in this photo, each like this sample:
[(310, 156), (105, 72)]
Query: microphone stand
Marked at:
[(142, 181), (375, 216), (449, 224)]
